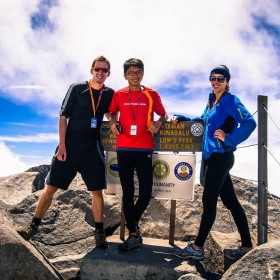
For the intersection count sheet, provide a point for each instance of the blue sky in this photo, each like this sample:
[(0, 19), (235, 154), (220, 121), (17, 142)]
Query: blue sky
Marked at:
[(47, 45)]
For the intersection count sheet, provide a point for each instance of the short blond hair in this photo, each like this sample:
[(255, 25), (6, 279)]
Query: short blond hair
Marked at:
[(101, 58)]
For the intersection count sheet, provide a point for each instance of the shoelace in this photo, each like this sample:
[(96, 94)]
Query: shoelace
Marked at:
[(131, 240)]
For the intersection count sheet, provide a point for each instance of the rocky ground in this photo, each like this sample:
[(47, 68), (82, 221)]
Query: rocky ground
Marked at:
[(66, 234)]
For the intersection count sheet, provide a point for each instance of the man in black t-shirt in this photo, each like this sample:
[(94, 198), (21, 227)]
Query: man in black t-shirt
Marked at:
[(80, 149)]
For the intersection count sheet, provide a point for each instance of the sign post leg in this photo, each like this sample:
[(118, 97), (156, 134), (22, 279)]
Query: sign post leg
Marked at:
[(172, 221)]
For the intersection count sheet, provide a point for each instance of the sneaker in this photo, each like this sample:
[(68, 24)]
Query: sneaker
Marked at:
[(132, 242), (27, 232), (190, 252), (236, 254), (100, 239)]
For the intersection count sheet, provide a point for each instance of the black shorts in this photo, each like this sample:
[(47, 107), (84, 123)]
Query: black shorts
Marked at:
[(85, 156)]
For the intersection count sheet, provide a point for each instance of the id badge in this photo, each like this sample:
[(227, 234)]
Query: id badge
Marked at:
[(93, 122), (133, 130)]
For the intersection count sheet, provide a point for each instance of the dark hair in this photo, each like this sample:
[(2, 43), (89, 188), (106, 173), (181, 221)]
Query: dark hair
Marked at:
[(223, 70), (101, 58), (227, 87), (133, 62)]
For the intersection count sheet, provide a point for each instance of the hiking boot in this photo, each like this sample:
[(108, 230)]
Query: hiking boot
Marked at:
[(100, 239), (236, 254), (190, 252), (27, 232), (132, 242)]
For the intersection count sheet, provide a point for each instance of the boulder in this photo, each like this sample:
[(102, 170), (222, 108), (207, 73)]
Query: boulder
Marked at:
[(16, 187), (66, 232), (263, 262), (190, 276), (18, 258), (42, 172), (216, 243)]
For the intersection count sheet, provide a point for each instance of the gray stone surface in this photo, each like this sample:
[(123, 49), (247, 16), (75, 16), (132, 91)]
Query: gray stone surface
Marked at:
[(190, 276), (262, 263), (66, 233), (39, 180), (154, 260), (16, 187), (18, 258), (216, 243)]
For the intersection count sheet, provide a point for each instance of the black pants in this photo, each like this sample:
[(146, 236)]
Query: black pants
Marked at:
[(128, 162), (217, 182)]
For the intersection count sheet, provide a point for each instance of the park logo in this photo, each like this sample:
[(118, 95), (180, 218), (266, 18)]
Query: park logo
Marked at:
[(183, 171), (197, 129), (161, 169), (112, 167)]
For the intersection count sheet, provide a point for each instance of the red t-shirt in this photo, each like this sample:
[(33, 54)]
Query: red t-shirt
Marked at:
[(136, 108)]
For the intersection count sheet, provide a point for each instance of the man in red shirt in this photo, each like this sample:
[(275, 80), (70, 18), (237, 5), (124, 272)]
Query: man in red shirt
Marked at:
[(135, 105)]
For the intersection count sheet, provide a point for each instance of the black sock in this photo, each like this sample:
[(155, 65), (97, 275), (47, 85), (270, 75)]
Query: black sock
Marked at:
[(99, 226), (35, 223)]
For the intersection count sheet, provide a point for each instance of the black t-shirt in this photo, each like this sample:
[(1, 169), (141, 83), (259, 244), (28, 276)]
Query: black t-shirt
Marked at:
[(77, 108)]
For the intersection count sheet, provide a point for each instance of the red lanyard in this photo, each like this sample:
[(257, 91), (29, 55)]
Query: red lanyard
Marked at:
[(133, 113), (92, 99)]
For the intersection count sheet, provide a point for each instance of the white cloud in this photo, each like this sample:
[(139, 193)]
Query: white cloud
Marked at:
[(36, 138), (10, 163), (185, 37), (173, 38)]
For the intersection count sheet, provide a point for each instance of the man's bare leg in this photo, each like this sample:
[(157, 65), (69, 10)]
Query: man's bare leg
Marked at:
[(45, 201), (97, 206), (43, 205)]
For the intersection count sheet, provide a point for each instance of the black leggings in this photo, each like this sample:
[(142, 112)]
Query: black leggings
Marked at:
[(128, 162), (217, 182)]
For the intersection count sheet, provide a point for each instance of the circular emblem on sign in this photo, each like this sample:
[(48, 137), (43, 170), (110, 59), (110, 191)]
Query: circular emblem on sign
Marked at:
[(105, 129), (183, 171), (197, 129), (112, 167), (161, 169)]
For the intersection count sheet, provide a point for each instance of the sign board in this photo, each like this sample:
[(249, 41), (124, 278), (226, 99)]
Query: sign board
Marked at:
[(173, 176), (181, 137)]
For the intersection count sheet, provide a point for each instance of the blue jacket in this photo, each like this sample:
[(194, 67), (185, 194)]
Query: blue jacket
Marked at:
[(227, 105)]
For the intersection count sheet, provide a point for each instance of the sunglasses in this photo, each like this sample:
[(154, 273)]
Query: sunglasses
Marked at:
[(220, 79), (103, 70)]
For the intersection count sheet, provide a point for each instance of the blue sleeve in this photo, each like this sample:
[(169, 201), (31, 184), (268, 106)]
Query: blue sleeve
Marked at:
[(247, 123), (182, 118)]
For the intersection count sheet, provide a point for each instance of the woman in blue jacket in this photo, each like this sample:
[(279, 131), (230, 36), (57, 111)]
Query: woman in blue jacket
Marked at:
[(227, 124)]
